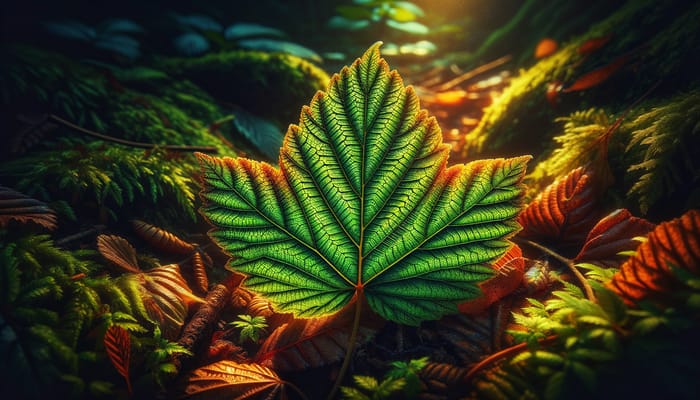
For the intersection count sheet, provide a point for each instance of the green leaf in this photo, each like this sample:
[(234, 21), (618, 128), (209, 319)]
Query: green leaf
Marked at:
[(363, 204)]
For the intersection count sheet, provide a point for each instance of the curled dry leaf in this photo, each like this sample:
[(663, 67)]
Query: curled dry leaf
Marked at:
[(200, 272), (21, 208), (564, 212), (672, 244), (613, 234), (118, 347), (228, 379), (119, 252), (161, 239)]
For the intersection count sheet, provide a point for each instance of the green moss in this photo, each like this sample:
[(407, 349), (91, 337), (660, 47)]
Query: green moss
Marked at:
[(274, 86), (520, 119)]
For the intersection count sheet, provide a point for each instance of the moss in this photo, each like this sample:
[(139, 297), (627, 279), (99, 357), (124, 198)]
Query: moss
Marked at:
[(274, 86), (520, 119)]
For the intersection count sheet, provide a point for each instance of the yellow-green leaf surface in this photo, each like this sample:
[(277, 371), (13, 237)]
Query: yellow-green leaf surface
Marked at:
[(363, 202)]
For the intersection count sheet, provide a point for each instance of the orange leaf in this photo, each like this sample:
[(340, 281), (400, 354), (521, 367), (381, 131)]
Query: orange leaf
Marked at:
[(597, 76), (119, 252), (228, 379), (161, 239), (564, 212), (510, 270), (313, 342), (611, 235), (118, 347), (21, 208), (546, 47), (676, 244)]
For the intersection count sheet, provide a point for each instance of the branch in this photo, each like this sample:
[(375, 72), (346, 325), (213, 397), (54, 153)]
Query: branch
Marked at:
[(566, 261), (142, 145), (201, 325)]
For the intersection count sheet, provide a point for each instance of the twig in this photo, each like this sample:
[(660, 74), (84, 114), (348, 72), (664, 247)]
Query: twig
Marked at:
[(470, 74), (566, 261), (142, 145), (80, 235), (507, 352)]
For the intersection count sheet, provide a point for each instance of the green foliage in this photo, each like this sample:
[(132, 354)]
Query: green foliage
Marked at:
[(363, 203), (251, 327), (578, 348), (577, 145), (273, 86), (157, 360), (61, 85), (105, 178), (403, 376), (663, 144)]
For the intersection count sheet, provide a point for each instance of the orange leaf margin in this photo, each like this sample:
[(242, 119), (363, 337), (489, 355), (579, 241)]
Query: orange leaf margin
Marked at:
[(672, 244)]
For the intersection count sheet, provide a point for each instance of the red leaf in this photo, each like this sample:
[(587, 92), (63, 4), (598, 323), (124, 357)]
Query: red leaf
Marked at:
[(611, 235), (510, 270), (676, 244), (597, 76), (314, 342), (119, 252), (546, 47), (564, 212), (21, 208), (118, 347), (161, 239)]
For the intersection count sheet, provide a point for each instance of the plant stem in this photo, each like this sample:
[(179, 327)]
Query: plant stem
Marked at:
[(507, 352), (296, 389), (349, 350), (566, 261), (203, 149)]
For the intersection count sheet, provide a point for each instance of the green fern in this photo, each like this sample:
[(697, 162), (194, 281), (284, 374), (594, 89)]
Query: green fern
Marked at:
[(665, 139), (578, 145), (108, 177)]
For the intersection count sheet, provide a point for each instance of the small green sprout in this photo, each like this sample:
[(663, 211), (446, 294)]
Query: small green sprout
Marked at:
[(251, 327)]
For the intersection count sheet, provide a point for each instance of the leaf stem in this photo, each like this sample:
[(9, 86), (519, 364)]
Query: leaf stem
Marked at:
[(351, 346), (566, 261), (296, 389), (170, 147)]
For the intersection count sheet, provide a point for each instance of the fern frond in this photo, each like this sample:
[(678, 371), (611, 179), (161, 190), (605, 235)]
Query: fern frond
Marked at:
[(9, 275), (663, 140)]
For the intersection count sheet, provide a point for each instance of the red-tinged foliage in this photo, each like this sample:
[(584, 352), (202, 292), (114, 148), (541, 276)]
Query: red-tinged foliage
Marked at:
[(119, 252), (597, 76), (546, 47), (613, 234), (564, 212), (222, 349), (229, 379), (442, 379), (510, 270), (593, 44), (161, 239), (23, 209), (118, 347), (672, 244), (314, 342)]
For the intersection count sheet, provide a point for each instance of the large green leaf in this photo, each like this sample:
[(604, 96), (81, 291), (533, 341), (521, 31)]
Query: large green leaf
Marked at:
[(363, 203)]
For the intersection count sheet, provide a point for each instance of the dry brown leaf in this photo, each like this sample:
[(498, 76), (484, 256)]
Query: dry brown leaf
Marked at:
[(21, 208), (161, 239), (228, 379), (119, 252)]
